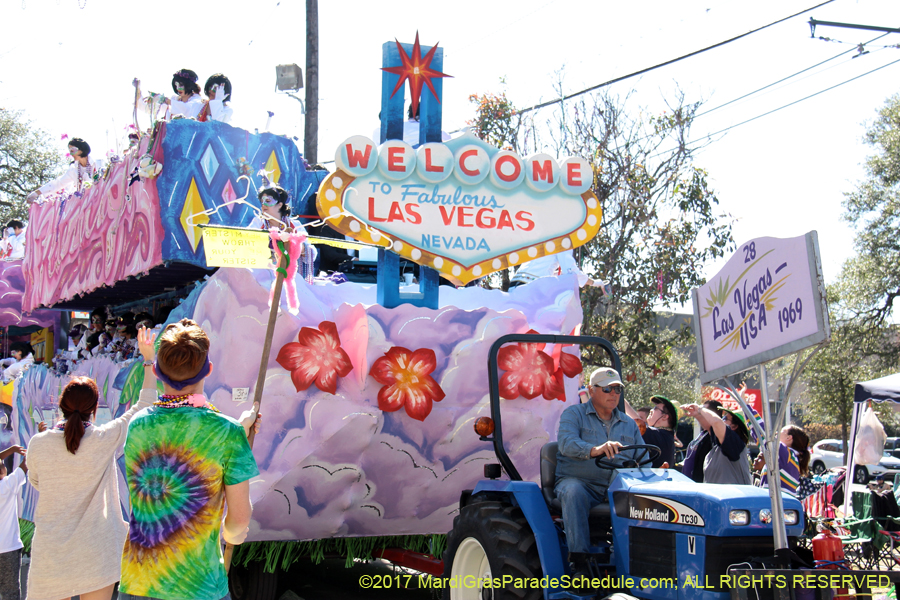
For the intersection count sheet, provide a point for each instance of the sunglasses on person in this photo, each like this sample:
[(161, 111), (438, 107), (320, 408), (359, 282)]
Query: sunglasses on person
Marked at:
[(618, 389)]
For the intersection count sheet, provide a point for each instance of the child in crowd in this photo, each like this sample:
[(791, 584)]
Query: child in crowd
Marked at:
[(92, 345), (793, 459), (21, 357), (10, 541), (12, 246), (172, 550), (125, 348)]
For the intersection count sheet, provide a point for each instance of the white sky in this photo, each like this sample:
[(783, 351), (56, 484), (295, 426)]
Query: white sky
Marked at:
[(70, 69)]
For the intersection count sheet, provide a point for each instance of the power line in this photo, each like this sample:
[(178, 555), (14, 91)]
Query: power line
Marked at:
[(668, 62), (802, 99), (709, 135), (786, 78)]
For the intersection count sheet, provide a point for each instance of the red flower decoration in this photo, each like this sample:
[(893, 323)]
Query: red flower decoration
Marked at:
[(570, 364), (317, 357), (407, 382), (529, 372)]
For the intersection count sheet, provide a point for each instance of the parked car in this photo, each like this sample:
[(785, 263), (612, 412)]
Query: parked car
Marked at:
[(828, 454), (892, 445)]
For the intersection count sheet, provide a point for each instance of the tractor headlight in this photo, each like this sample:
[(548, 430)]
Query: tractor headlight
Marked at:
[(739, 517), (791, 517), (765, 516)]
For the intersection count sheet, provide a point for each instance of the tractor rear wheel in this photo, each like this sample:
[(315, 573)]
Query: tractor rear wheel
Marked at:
[(490, 540)]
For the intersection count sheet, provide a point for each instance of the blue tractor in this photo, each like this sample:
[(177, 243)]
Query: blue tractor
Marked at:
[(661, 536)]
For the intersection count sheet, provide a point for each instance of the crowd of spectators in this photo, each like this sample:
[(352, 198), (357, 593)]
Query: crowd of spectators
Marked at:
[(106, 336)]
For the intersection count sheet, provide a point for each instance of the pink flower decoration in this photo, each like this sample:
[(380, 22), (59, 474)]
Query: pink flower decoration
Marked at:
[(64, 136), (317, 357), (407, 381)]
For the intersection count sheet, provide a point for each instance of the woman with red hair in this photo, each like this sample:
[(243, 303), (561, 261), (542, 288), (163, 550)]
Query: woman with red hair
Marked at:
[(79, 530)]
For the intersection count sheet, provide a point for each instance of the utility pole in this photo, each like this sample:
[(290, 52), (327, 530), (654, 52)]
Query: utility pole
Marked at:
[(813, 23), (311, 129)]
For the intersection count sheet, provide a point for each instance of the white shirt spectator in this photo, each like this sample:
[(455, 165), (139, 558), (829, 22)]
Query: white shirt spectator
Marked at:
[(75, 177), (219, 111), (562, 263), (16, 368), (13, 245), (9, 491), (190, 109), (410, 133)]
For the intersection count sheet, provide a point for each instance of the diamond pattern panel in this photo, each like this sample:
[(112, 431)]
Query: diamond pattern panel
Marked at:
[(193, 204), (273, 168), (209, 163), (228, 195), (203, 163)]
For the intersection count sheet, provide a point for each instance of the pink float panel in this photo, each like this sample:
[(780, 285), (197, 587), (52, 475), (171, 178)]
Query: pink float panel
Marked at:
[(79, 244)]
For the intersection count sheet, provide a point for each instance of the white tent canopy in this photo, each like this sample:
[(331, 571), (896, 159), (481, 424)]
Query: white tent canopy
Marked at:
[(883, 389)]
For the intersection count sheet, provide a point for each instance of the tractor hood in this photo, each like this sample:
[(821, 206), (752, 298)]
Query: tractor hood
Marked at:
[(667, 498)]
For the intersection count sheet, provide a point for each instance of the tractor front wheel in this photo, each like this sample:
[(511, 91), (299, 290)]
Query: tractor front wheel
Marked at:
[(490, 540)]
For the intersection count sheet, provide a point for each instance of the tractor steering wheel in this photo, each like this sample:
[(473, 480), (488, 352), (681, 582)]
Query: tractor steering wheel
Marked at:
[(648, 451)]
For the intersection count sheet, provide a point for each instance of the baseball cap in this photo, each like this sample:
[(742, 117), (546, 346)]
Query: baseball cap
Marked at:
[(605, 376), (673, 407)]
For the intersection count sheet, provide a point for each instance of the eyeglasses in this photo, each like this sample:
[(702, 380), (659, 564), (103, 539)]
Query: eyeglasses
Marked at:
[(618, 389)]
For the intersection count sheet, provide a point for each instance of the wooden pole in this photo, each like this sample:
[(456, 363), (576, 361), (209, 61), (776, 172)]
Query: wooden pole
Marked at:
[(263, 367), (311, 125)]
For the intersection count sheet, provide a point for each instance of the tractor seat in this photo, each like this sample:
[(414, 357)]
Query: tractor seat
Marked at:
[(548, 483)]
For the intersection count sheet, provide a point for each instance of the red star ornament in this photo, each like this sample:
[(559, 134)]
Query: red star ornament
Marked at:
[(417, 71)]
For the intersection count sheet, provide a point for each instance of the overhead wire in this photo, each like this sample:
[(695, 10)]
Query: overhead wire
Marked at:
[(668, 62), (783, 79), (801, 99), (774, 110)]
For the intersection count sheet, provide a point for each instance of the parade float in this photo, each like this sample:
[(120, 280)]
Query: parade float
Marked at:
[(371, 391)]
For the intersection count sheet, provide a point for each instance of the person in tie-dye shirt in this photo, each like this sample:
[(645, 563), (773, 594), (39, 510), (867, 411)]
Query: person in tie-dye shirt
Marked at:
[(182, 460)]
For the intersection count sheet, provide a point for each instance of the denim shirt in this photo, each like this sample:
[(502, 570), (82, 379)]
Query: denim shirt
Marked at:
[(581, 429)]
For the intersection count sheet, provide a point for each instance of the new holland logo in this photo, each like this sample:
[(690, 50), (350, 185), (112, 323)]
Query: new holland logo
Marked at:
[(639, 507)]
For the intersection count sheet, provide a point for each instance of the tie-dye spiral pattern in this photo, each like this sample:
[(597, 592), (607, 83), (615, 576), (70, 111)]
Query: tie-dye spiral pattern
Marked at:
[(177, 463)]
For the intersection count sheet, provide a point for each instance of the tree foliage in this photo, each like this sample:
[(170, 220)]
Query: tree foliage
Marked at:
[(661, 222), (27, 159), (872, 279), (864, 343), (496, 120), (676, 380), (857, 352)]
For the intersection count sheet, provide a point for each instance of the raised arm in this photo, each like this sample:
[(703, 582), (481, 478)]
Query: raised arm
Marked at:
[(147, 350), (119, 426), (708, 419), (629, 410)]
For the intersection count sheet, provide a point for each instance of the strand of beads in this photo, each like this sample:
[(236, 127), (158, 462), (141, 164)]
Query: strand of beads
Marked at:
[(172, 401)]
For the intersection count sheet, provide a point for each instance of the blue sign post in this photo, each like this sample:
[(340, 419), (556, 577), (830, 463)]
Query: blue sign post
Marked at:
[(392, 120)]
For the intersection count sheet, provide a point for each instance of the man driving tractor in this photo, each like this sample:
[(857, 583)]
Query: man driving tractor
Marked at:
[(587, 431)]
